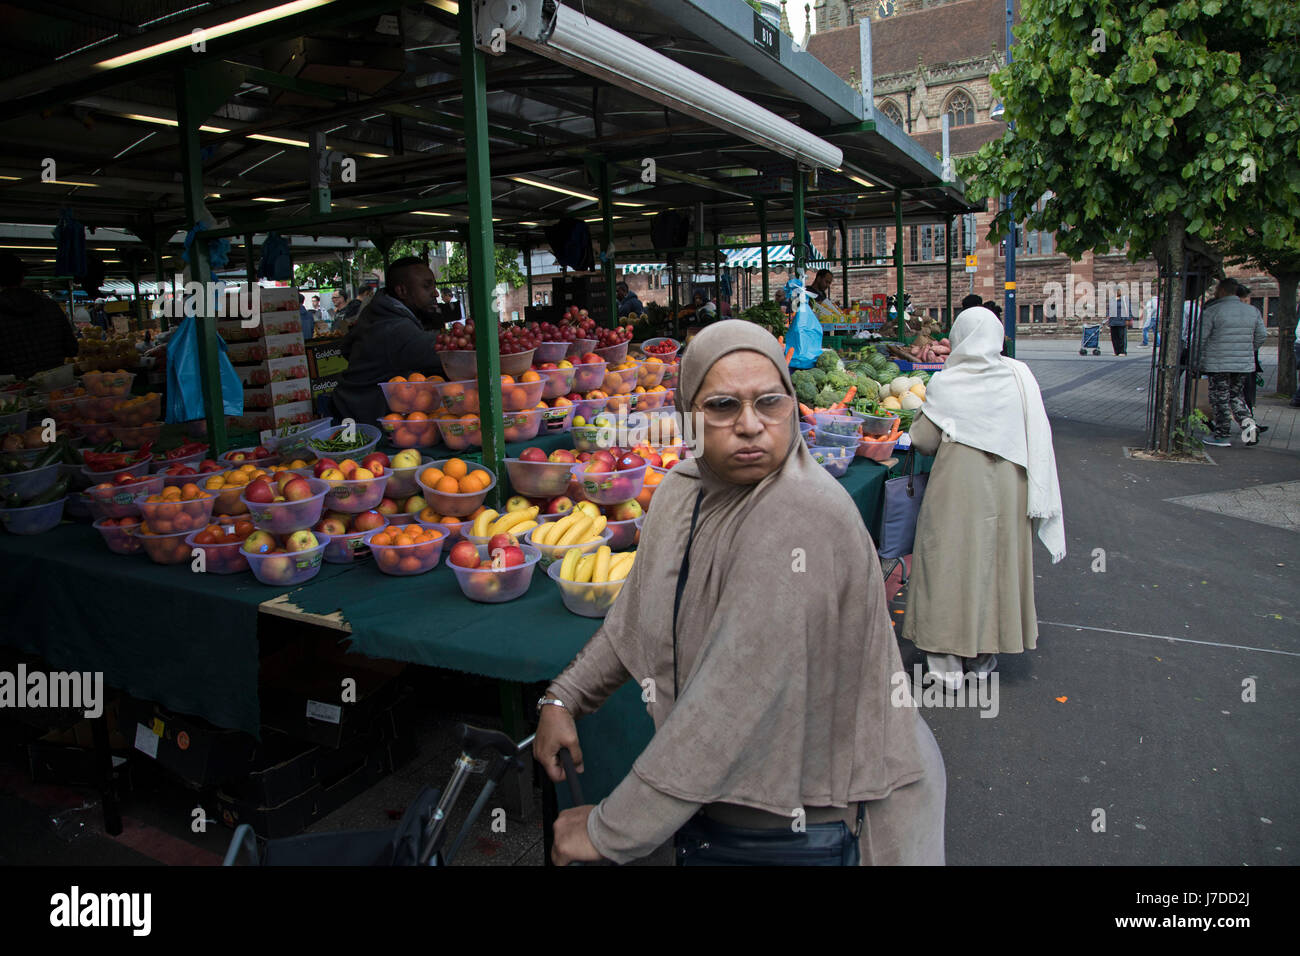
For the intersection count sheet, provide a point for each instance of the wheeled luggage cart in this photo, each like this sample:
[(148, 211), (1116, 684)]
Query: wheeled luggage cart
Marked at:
[(1091, 340), (419, 839)]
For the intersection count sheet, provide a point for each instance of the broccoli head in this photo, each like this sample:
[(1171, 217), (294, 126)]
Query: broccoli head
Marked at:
[(828, 361), (840, 381), (805, 386), (827, 397)]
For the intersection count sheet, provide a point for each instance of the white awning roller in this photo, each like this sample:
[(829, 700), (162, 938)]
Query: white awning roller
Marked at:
[(566, 36)]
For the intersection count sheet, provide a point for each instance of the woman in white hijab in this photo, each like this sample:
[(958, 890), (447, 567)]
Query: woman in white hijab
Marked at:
[(993, 486)]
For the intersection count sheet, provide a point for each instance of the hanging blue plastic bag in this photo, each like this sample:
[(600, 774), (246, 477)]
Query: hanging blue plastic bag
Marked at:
[(184, 383), (805, 332)]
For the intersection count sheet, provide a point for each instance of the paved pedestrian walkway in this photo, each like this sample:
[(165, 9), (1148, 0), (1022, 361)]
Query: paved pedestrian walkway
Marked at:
[(1109, 390)]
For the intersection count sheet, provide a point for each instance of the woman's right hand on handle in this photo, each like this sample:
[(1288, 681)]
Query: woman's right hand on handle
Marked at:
[(556, 729)]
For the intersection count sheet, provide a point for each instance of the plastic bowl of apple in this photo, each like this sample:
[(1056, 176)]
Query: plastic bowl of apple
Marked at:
[(604, 433), (223, 549), (259, 457), (285, 561), (492, 580), (301, 507), (118, 500), (187, 474), (558, 380), (403, 468), (624, 534), (588, 375), (557, 421), (356, 494), (119, 534), (610, 486), (347, 533), (535, 475)]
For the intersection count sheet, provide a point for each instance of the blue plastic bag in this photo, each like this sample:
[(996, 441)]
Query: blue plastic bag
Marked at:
[(805, 332), (184, 384)]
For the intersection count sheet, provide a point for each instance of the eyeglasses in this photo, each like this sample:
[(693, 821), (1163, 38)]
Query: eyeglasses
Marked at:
[(723, 410)]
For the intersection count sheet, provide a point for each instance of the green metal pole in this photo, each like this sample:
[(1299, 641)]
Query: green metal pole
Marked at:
[(800, 225), (528, 268), (762, 237), (481, 253), (607, 242), (947, 252), (898, 258), (844, 260), (189, 114), (717, 273)]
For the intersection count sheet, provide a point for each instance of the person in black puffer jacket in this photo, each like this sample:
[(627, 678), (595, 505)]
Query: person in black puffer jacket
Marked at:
[(389, 339)]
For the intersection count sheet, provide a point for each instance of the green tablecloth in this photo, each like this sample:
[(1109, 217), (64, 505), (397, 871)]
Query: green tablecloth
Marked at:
[(426, 620), (189, 641), (164, 633)]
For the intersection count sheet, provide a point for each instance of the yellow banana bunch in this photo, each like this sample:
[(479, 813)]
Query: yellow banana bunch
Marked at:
[(601, 566), (480, 527), (511, 521)]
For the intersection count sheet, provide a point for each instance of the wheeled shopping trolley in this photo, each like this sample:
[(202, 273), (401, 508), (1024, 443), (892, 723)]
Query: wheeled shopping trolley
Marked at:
[(419, 839), (1091, 340)]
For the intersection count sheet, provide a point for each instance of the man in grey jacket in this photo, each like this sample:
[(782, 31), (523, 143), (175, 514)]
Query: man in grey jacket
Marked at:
[(389, 339), (1231, 331)]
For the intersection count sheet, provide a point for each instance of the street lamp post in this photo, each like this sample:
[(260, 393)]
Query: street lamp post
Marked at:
[(1009, 279)]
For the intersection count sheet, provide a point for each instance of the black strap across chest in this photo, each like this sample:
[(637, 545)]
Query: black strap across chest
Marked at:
[(682, 575)]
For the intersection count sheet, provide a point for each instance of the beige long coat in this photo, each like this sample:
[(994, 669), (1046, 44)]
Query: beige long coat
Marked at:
[(972, 583)]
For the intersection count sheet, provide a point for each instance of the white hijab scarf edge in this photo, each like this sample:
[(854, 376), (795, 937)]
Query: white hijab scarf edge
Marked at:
[(971, 401)]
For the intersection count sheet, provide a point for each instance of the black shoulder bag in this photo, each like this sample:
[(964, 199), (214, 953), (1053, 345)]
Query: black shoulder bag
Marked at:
[(705, 842)]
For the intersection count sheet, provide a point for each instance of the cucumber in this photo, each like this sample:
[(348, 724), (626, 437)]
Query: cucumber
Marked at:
[(71, 456), (49, 456), (51, 494)]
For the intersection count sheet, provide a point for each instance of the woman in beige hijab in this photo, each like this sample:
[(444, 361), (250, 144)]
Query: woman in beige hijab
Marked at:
[(774, 702), (993, 486)]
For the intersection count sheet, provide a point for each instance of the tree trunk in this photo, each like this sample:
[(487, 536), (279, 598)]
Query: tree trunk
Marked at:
[(1286, 321), (1171, 334)]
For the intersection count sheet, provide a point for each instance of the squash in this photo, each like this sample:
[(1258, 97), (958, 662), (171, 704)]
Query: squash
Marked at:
[(900, 386), (910, 402), (891, 403), (918, 390)]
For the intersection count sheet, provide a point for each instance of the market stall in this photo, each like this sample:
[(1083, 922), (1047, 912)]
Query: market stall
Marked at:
[(449, 161)]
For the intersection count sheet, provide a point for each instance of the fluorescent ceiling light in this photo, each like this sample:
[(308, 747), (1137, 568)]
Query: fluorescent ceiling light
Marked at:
[(164, 121), (427, 212), (451, 6), (639, 205), (279, 139), (26, 247), (11, 178), (266, 199), (862, 182), (555, 189), (374, 155), (533, 224), (602, 219), (585, 44), (211, 33), (69, 182)]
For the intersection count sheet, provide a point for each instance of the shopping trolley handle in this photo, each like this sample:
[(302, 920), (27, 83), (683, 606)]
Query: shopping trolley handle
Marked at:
[(477, 741)]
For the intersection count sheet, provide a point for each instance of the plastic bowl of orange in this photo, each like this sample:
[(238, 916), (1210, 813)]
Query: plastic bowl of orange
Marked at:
[(437, 479), (459, 396), (407, 550), (416, 394), (522, 394), (410, 432), (461, 434)]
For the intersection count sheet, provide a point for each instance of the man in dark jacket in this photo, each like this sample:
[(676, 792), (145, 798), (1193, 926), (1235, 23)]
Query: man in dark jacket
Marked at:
[(1231, 331), (35, 334), (389, 339), (628, 301)]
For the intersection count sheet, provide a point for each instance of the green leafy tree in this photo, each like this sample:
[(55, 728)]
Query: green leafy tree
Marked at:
[(507, 266), (1150, 125)]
